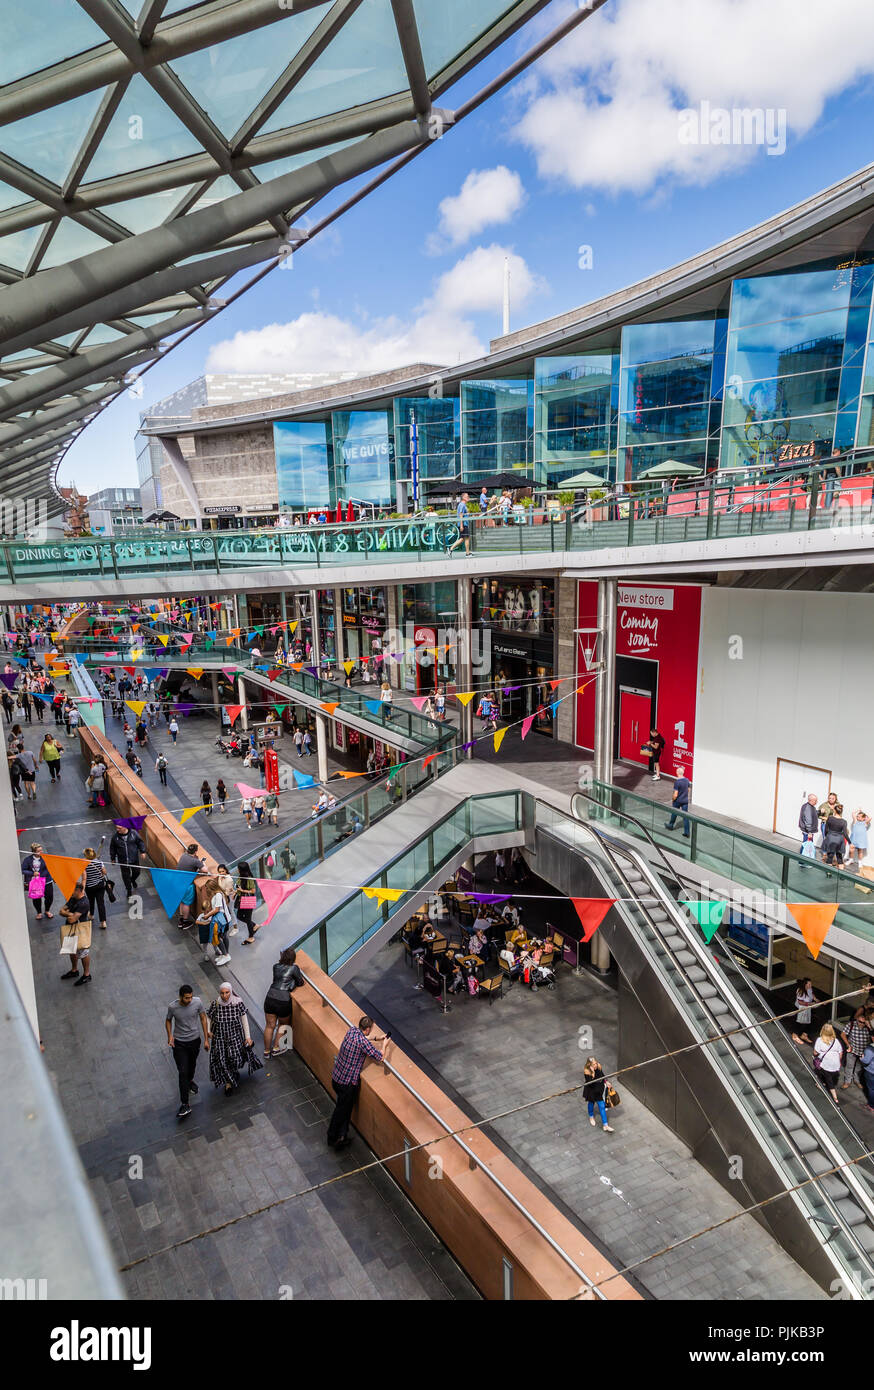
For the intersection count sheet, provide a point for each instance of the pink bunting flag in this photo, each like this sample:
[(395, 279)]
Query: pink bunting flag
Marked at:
[(419, 701), (229, 671), (274, 894), (245, 790), (526, 725)]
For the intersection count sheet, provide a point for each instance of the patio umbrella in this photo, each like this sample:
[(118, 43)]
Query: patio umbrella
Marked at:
[(350, 512), (582, 480), (671, 468), (161, 516), (502, 480)]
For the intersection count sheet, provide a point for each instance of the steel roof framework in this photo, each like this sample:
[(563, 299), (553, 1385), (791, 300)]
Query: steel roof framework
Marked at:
[(164, 235)]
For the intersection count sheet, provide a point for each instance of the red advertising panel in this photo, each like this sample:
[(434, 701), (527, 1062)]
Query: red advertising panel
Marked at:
[(658, 630), (271, 770)]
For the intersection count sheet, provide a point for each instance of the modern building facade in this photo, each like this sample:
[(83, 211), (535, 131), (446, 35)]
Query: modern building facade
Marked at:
[(753, 356), (114, 510)]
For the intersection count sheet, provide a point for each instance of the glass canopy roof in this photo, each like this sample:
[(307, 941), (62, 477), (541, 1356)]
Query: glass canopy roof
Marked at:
[(152, 149)]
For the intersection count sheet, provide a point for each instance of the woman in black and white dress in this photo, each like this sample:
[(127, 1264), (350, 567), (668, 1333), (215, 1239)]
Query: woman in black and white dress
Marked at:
[(230, 1040)]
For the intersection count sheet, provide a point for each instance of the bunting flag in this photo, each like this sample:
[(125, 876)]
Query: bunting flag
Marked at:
[(183, 709), (229, 671), (301, 779), (64, 871), (151, 673), (297, 666), (526, 725), (591, 912), (212, 634), (470, 744), (245, 790), (273, 672), (555, 684), (311, 671), (814, 920), (419, 701), (162, 638), (329, 706), (131, 822), (215, 607), (280, 709), (396, 656), (274, 893), (131, 670), (554, 707), (490, 897), (348, 667), (171, 885), (9, 678), (384, 895), (81, 658), (373, 706), (187, 637), (465, 696), (188, 813), (229, 640), (137, 706), (708, 915), (135, 627), (195, 671), (430, 758), (92, 718), (233, 712), (498, 737), (292, 627)]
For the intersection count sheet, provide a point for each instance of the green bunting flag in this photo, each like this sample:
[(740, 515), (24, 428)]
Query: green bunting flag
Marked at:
[(708, 915)]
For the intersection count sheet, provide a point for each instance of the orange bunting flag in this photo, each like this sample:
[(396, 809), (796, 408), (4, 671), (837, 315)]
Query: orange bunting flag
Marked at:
[(297, 666), (135, 627), (330, 706), (498, 737), (814, 920), (195, 671), (465, 696), (591, 912), (65, 871)]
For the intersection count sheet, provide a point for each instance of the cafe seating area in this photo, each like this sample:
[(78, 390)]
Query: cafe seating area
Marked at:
[(462, 946)]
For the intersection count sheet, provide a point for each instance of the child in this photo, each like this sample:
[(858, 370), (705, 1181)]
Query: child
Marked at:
[(859, 828)]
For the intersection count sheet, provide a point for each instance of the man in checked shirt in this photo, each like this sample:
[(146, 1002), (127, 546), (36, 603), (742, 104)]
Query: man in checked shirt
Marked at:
[(355, 1049)]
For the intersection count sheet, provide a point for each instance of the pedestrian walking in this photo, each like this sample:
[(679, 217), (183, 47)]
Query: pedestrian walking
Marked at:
[(500, 866), (245, 899), (594, 1092), (220, 911), (462, 515), (50, 754), (680, 801), (298, 741), (808, 824), (246, 810), (189, 862), (27, 765), (804, 1000), (827, 1058), (230, 1041), (258, 808), (206, 797), (37, 882), (307, 744), (96, 883), (95, 782), (125, 849), (272, 807), (856, 1037), (287, 978), (186, 1023), (385, 699), (173, 729), (221, 794), (76, 929), (161, 768), (355, 1049)]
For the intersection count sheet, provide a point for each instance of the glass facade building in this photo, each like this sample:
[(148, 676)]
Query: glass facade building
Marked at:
[(779, 374)]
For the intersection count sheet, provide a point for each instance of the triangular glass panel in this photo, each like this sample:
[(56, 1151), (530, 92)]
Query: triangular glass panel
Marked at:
[(36, 36), (143, 132), (70, 241), (48, 141)]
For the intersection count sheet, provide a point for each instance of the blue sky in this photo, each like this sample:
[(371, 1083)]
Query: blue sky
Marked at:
[(582, 151)]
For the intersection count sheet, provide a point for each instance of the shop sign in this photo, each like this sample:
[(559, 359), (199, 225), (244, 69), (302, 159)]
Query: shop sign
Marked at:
[(508, 649), (226, 509), (425, 637), (372, 622)]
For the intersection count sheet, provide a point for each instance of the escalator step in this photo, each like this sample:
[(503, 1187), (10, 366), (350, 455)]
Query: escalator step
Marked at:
[(804, 1141), (852, 1214), (834, 1186), (865, 1236), (819, 1162), (792, 1121), (742, 1043), (761, 1078), (706, 991), (696, 974), (776, 1099), (685, 957)]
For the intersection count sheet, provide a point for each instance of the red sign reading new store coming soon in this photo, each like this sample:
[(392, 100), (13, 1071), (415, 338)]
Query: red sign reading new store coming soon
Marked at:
[(657, 639)]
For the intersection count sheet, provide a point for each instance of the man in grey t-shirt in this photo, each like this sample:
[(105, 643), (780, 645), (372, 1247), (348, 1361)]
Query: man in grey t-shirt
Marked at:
[(186, 1019)]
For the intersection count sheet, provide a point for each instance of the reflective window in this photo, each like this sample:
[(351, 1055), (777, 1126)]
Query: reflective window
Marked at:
[(303, 464), (813, 343), (656, 342), (437, 434), (658, 384), (765, 298), (780, 398), (650, 426), (364, 456)]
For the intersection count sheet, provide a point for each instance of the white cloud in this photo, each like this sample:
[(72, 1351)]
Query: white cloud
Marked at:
[(440, 330), (605, 114), (487, 197)]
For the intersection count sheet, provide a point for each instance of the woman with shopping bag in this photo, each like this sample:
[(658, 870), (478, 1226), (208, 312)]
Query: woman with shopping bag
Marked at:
[(37, 884)]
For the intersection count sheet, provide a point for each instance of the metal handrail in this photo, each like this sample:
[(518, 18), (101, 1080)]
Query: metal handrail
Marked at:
[(472, 1157), (761, 1042)]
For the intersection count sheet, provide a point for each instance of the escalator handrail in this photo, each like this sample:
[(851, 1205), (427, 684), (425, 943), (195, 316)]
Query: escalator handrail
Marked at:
[(847, 1173), (672, 872)]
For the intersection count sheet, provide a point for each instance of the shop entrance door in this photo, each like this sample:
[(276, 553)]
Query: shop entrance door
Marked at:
[(794, 782), (634, 723)]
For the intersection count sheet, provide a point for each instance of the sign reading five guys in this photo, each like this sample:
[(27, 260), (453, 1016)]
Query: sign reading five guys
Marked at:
[(657, 624)]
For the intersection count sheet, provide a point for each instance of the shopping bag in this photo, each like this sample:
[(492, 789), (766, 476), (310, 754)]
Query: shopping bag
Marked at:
[(69, 943), (612, 1097), (37, 887), (248, 900), (808, 849)]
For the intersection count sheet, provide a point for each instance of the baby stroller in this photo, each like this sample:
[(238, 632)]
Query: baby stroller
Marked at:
[(536, 976)]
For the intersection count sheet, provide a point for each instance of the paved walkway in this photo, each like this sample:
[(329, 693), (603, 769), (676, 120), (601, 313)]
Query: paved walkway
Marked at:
[(107, 1054)]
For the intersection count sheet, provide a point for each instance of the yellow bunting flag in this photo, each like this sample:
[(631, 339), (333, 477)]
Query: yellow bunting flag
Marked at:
[(188, 813), (384, 895), (162, 638), (137, 653), (137, 706), (65, 870), (465, 696), (55, 636), (814, 920), (348, 667), (195, 671), (292, 627), (498, 737)]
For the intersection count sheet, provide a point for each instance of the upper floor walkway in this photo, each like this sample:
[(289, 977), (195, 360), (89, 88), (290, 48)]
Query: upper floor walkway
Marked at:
[(808, 519)]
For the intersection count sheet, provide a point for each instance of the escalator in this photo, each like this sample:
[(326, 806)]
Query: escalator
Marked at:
[(762, 1123)]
